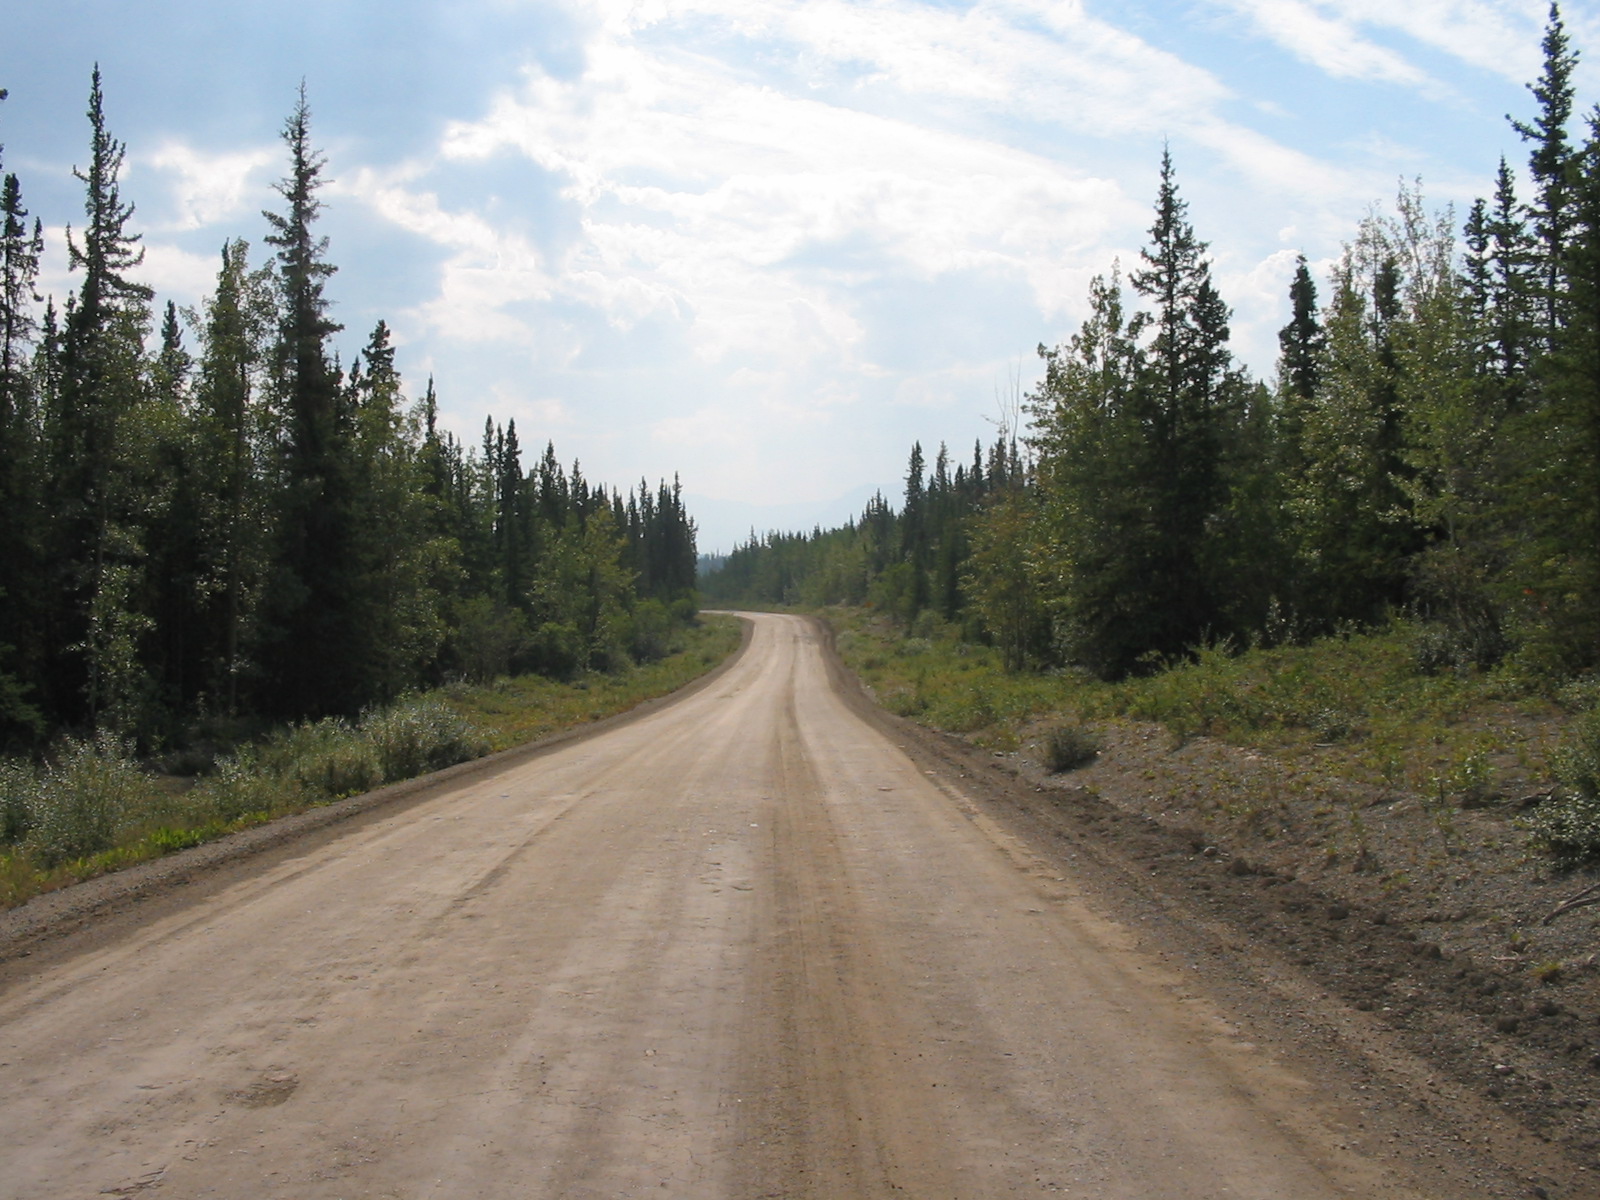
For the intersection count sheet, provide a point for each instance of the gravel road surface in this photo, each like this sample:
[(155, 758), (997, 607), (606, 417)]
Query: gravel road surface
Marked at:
[(743, 946)]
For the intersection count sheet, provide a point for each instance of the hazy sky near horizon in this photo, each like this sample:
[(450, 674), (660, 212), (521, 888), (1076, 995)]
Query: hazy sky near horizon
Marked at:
[(765, 245)]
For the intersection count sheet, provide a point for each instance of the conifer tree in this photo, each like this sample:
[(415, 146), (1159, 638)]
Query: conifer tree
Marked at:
[(1301, 341), (1549, 163), (1512, 287), (1094, 503), (94, 430), (1560, 487), (514, 526), (1184, 405), (20, 250), (1343, 497), (316, 641), (1302, 344), (236, 518)]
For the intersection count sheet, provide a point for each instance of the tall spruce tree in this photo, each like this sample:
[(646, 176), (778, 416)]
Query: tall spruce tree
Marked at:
[(914, 535), (1550, 164), (1186, 401), (1560, 487), (1301, 345), (236, 517), (94, 431), (315, 638), (20, 251), (1301, 341), (1513, 288), (405, 567), (1087, 573)]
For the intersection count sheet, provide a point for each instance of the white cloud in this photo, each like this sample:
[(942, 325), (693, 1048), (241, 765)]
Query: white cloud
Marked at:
[(209, 188), (1039, 59), (702, 193), (1502, 38), (177, 274), (1257, 294), (746, 189), (1336, 35), (1328, 42), (490, 270)]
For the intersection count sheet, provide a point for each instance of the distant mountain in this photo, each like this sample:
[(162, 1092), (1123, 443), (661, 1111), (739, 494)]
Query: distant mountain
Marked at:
[(725, 524)]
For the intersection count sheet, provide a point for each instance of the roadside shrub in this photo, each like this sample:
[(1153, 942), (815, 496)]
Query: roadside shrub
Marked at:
[(1577, 763), (334, 759), (240, 785), (322, 759), (77, 805), (1065, 747), (1568, 827), (169, 841), (650, 632), (418, 736), (1331, 724), (1580, 695), (319, 761), (965, 710)]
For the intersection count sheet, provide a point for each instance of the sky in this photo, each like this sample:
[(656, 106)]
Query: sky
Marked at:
[(764, 246)]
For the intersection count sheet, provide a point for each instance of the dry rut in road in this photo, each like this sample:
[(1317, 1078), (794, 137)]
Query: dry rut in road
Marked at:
[(741, 947)]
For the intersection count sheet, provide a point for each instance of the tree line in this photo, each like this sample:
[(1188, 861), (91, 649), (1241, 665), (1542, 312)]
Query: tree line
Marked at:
[(1430, 445), (244, 528)]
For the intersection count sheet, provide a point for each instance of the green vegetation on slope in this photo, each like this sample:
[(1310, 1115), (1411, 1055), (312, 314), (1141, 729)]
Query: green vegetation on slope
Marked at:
[(1352, 712)]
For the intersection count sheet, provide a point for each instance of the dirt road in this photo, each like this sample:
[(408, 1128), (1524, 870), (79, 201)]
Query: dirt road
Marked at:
[(742, 947)]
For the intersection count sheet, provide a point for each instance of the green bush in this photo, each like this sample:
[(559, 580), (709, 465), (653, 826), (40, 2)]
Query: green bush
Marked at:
[(418, 736), (1065, 747), (310, 763), (327, 759), (17, 785), (170, 841), (1568, 827), (239, 785), (650, 633), (78, 804)]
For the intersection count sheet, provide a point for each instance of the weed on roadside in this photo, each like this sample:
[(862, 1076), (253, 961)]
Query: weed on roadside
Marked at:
[(1066, 747)]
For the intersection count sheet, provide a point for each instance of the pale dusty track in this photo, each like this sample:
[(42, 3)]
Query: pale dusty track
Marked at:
[(742, 947)]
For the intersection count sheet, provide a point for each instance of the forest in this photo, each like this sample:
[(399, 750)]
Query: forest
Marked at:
[(208, 518), (1428, 450)]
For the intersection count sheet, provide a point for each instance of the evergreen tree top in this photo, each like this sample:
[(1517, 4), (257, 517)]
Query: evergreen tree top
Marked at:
[(107, 249), (1554, 92)]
